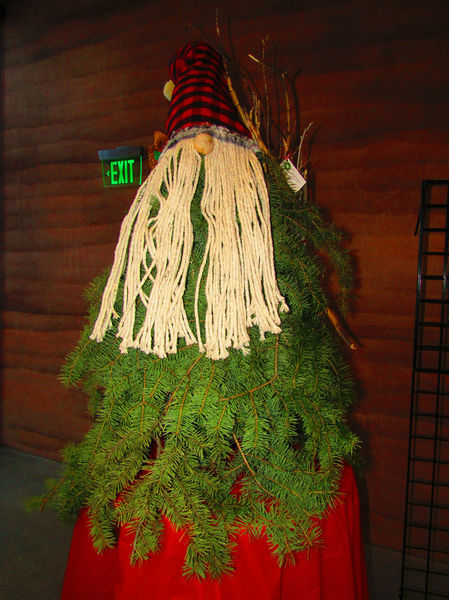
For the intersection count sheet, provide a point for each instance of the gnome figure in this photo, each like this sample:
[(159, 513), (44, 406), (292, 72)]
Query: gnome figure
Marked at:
[(154, 250), (218, 389)]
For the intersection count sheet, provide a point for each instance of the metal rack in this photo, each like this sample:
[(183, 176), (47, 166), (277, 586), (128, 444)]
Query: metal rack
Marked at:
[(425, 557)]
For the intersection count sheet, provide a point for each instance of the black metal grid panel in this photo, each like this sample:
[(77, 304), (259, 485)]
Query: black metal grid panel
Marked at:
[(425, 557)]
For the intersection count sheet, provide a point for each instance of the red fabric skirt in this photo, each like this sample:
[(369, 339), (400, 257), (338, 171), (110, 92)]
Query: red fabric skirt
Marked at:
[(336, 571)]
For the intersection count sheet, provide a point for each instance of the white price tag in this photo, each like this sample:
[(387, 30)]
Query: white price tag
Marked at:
[(295, 180)]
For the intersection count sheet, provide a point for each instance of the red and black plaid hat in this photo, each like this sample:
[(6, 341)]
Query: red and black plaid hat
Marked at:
[(200, 96)]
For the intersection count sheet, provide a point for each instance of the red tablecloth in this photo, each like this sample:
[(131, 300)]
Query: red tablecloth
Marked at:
[(334, 572)]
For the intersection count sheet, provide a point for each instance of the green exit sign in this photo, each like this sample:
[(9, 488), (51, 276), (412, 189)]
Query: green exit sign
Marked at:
[(121, 166)]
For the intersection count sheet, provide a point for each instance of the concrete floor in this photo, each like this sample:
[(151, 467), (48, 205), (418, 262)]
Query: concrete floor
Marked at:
[(34, 546)]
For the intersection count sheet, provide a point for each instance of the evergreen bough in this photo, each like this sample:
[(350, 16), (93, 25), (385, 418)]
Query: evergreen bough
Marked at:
[(254, 442)]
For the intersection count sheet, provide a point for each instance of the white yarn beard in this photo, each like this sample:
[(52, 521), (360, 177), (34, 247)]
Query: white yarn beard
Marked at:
[(240, 287)]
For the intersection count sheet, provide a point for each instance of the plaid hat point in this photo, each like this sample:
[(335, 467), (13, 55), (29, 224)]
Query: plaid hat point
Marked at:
[(200, 95)]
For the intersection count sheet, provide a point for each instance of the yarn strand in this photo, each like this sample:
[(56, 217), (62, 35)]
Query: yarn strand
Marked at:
[(154, 250), (241, 287)]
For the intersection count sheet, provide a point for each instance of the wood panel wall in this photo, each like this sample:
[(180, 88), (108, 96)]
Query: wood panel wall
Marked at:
[(82, 75)]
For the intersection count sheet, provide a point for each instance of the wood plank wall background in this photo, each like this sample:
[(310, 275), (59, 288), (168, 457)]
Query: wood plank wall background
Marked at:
[(82, 75)]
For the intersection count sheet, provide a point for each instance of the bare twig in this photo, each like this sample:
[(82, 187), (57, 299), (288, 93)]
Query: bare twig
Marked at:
[(265, 84), (287, 138), (244, 116), (299, 162), (337, 325)]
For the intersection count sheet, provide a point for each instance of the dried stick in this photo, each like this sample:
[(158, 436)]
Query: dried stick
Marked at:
[(337, 325), (244, 115)]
